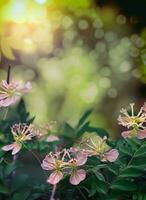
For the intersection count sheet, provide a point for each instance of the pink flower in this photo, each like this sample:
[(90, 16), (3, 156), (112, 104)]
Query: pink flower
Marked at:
[(52, 138), (141, 134), (77, 176), (126, 134), (132, 120), (10, 93), (111, 155), (21, 133), (53, 163), (15, 147)]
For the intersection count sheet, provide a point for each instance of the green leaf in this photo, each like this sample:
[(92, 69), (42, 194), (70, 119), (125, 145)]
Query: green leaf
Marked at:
[(68, 132), (125, 148), (100, 131), (83, 129), (131, 172), (138, 163), (114, 168), (141, 151), (102, 187), (84, 117), (99, 176), (93, 189), (124, 185)]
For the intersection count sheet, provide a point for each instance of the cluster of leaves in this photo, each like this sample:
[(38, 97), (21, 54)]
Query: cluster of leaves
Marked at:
[(24, 179)]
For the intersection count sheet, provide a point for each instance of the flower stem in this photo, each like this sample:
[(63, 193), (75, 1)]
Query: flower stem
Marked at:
[(53, 192), (14, 160), (8, 74), (6, 112)]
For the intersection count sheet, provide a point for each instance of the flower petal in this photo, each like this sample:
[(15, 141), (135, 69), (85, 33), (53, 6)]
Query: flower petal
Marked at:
[(17, 147), (8, 147), (77, 176), (125, 134), (52, 138), (81, 158), (141, 134), (8, 101), (111, 155), (48, 163), (55, 177)]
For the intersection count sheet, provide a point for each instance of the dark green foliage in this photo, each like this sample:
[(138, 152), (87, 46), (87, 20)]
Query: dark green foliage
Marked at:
[(124, 179)]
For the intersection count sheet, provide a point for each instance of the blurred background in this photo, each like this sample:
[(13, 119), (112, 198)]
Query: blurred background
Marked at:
[(77, 54)]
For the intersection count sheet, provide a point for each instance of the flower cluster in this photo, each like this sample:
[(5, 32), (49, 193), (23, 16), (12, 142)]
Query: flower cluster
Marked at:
[(70, 161), (66, 161), (11, 92), (135, 123), (21, 133)]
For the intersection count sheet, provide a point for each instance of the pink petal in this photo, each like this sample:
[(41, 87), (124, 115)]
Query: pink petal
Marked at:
[(16, 149), (24, 88), (111, 155), (48, 163), (8, 147), (81, 158), (125, 134), (52, 138), (55, 177), (141, 134), (8, 101), (77, 176)]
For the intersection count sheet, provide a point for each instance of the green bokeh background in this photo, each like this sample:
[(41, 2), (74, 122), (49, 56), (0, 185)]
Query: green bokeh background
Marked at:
[(77, 54)]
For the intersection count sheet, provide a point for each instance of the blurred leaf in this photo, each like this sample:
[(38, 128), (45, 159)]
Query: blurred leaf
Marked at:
[(100, 131), (3, 189), (6, 49), (9, 169), (84, 117), (68, 132), (19, 182), (21, 194)]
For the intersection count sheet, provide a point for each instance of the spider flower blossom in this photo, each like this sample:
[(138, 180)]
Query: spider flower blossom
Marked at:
[(135, 123), (21, 133), (54, 163), (132, 120), (11, 92)]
